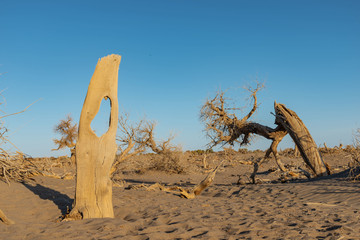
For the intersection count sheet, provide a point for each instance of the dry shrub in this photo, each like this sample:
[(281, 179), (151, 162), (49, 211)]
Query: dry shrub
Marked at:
[(200, 152), (60, 167), (170, 162), (69, 133), (243, 150), (16, 167), (355, 166), (288, 152), (333, 150), (135, 138), (355, 155), (229, 151)]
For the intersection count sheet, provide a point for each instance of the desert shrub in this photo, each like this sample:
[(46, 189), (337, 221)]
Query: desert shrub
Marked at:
[(200, 152), (349, 148), (230, 151), (287, 152), (243, 150), (333, 150), (138, 138), (355, 165), (170, 162), (13, 166), (258, 151), (69, 132), (355, 156), (197, 152), (16, 167)]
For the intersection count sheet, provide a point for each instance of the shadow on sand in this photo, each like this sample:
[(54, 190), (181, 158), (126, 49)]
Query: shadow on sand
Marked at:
[(62, 201)]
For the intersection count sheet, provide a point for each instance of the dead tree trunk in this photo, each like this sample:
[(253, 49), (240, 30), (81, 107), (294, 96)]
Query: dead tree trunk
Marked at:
[(95, 155), (302, 138), (4, 219), (277, 135), (224, 127), (296, 151)]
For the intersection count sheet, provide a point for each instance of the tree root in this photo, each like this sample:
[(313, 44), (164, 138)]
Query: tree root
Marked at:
[(5, 219), (71, 217)]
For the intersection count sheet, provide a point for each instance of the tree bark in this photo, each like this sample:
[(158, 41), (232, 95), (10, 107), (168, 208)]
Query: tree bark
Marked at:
[(302, 138), (95, 155)]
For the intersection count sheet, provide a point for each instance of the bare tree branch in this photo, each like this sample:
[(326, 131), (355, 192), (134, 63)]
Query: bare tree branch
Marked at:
[(224, 127), (11, 114), (131, 141), (161, 147)]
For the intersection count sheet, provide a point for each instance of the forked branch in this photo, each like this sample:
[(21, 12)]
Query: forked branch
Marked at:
[(226, 128), (160, 147), (130, 140), (223, 127)]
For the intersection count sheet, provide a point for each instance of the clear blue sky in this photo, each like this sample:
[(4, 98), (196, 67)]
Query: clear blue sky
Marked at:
[(175, 54)]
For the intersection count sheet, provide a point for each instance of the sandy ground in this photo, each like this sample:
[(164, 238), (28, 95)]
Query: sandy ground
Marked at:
[(323, 208)]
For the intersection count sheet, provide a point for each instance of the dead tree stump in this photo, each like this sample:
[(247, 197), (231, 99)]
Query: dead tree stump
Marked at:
[(95, 155)]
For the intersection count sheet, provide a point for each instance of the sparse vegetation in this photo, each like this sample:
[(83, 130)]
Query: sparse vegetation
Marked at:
[(137, 138), (14, 167), (69, 132), (355, 155), (170, 162), (201, 151), (131, 141)]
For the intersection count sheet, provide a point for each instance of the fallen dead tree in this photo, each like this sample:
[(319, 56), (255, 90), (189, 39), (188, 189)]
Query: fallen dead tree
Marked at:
[(302, 138), (179, 191), (224, 127)]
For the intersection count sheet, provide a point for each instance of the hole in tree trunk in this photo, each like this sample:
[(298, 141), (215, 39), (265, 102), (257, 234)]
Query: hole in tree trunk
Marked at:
[(100, 124)]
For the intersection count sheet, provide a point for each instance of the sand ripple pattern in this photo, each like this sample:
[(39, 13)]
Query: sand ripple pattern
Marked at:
[(324, 209)]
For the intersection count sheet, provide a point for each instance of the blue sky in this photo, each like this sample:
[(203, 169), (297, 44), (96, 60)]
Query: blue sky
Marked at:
[(175, 54)]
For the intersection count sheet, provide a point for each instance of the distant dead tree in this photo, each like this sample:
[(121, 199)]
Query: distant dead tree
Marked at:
[(355, 155), (136, 138), (159, 147), (224, 127), (69, 133), (130, 140)]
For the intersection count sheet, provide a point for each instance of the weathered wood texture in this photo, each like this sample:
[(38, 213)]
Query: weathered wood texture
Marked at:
[(302, 138), (95, 155)]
